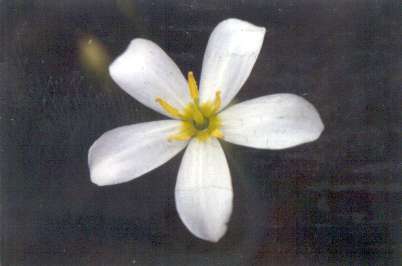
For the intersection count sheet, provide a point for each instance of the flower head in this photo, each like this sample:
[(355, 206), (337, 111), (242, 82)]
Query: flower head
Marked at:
[(199, 120), (199, 117)]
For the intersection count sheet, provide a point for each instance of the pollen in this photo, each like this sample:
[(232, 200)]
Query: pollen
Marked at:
[(198, 120)]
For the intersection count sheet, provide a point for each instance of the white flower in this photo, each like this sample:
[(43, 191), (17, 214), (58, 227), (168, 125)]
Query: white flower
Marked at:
[(203, 191)]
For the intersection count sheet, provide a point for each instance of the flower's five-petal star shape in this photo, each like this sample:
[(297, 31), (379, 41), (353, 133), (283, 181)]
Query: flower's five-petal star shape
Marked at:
[(203, 192)]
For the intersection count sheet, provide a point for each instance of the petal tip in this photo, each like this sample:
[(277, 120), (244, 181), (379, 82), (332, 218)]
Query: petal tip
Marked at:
[(216, 238), (242, 25), (239, 23), (98, 181), (98, 177), (320, 128), (135, 52), (213, 236)]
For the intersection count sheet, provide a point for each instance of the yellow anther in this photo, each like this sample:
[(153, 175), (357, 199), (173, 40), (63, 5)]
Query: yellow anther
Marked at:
[(217, 133), (210, 108), (192, 85), (168, 108), (198, 117), (217, 101), (202, 135), (179, 137), (198, 120), (186, 132)]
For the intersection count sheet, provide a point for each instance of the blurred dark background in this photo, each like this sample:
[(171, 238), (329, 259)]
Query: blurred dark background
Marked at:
[(336, 201)]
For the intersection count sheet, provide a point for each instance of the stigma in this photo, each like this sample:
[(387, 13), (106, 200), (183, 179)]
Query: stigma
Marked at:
[(198, 120)]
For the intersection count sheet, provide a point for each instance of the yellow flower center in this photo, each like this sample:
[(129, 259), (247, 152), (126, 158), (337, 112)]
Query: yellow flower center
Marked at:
[(199, 120)]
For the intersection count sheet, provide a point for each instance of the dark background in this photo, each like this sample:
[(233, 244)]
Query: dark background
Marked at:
[(336, 201)]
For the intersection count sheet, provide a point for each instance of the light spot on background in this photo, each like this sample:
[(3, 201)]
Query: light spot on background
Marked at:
[(94, 56)]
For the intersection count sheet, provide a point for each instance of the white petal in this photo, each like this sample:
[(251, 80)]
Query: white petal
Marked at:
[(125, 153), (275, 121), (204, 191), (232, 50), (146, 72)]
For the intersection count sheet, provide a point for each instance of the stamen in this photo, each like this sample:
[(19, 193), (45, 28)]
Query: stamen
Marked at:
[(198, 116), (192, 85), (202, 135), (186, 132), (217, 101), (198, 120), (179, 137), (217, 133), (168, 108), (210, 108)]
